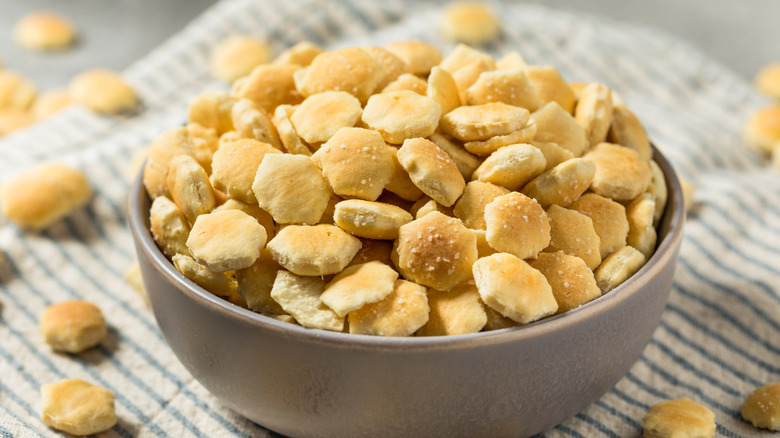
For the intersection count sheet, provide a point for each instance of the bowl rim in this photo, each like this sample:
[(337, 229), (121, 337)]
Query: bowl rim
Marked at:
[(673, 217)]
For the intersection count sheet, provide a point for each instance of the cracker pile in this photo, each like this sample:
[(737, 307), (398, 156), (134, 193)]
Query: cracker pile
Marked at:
[(395, 191)]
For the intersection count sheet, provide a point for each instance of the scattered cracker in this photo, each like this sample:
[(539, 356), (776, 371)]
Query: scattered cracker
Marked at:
[(689, 191), (14, 119), (44, 31), (762, 407), (470, 22), (767, 80), (39, 197), (77, 407), (762, 131), (683, 418), (103, 91), (132, 276), (73, 326)]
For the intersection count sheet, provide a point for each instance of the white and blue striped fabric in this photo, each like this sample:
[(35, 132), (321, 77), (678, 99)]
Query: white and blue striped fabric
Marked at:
[(719, 337)]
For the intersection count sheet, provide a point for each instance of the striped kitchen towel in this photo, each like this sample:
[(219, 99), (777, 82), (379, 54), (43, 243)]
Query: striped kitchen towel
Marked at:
[(719, 336)]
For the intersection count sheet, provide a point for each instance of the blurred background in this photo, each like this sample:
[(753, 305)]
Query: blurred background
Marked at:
[(742, 34)]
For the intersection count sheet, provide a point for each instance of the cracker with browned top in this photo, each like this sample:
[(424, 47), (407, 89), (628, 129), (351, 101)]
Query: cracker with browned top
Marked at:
[(313, 250), (513, 288), (554, 124), (269, 85), (432, 170), (226, 240), (356, 163), (437, 251), (621, 173), (303, 196), (571, 280), (353, 70), (481, 122), (401, 115), (517, 224)]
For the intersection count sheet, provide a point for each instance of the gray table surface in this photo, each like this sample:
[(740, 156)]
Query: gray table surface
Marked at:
[(742, 34)]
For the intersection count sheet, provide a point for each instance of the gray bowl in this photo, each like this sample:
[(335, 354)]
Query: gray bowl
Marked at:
[(312, 383)]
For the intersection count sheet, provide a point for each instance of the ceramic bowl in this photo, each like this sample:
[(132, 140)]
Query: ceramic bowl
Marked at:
[(312, 383)]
